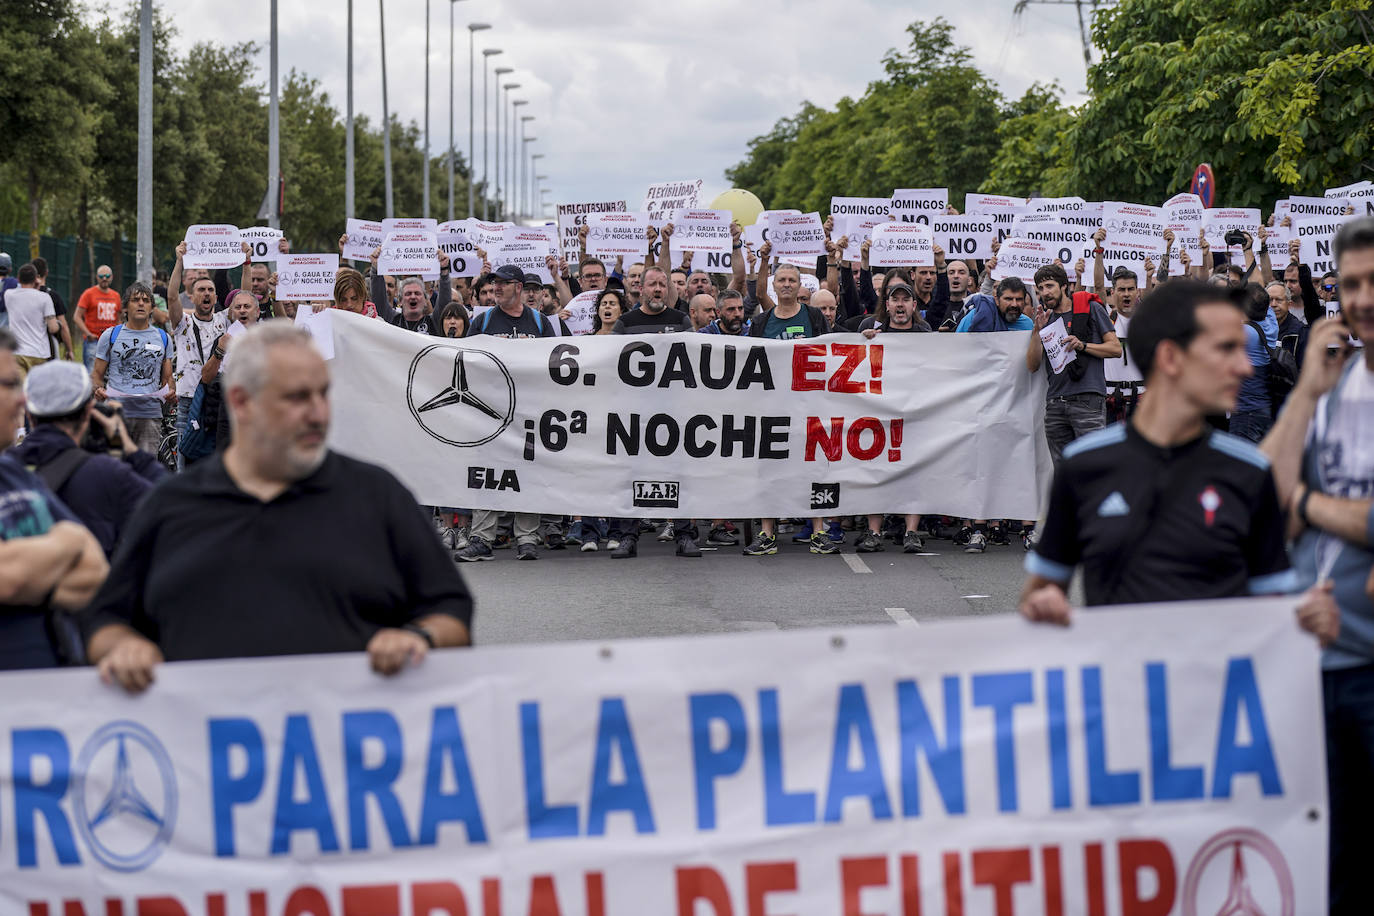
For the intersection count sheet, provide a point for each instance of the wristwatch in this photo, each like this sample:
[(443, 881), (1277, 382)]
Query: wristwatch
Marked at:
[(421, 632)]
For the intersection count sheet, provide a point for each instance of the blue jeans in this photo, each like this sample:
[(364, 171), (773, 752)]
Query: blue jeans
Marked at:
[(88, 352), (1251, 424), (1349, 698), (183, 414)]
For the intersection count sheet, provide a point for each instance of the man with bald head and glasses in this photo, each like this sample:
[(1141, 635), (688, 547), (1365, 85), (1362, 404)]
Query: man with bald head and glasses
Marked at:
[(96, 311)]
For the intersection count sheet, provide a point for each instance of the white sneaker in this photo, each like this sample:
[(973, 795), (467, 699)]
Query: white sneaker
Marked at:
[(977, 543), (666, 534), (589, 545), (460, 537), (613, 543)]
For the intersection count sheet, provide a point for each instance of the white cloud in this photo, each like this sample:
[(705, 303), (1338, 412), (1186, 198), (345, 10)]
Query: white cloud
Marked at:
[(626, 93)]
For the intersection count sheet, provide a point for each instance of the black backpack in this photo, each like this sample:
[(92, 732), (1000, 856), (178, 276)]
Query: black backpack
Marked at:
[(1283, 369)]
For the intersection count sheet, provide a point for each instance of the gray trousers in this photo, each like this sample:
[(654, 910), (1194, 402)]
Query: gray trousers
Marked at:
[(526, 526), (1072, 416)]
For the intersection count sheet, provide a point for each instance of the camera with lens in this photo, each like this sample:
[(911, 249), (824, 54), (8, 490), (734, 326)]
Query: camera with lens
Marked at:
[(96, 440), (1234, 237)]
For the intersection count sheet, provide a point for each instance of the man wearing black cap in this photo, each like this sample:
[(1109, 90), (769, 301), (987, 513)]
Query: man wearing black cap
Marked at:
[(509, 318), (49, 563), (102, 491)]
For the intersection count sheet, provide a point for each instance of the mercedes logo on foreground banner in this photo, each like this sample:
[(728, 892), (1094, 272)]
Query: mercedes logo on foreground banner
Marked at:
[(125, 796), (459, 396)]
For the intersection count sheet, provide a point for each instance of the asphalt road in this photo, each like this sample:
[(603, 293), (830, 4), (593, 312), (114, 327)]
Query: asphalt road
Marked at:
[(568, 594)]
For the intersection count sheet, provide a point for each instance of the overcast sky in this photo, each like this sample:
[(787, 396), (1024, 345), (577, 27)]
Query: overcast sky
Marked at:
[(625, 93)]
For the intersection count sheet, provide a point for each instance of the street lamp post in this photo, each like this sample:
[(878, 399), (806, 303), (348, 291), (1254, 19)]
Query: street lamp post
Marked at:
[(510, 158), (496, 124), (522, 167), (487, 55), (425, 191), (473, 29), (534, 185), (348, 125), (451, 5), (386, 112)]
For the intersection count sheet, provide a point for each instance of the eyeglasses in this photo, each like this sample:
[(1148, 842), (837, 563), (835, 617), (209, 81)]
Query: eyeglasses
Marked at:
[(103, 276), (1329, 287)]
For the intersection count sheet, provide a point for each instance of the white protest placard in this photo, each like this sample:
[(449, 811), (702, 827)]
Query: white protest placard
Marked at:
[(528, 248), (582, 312), (410, 224), (405, 253), (1304, 207), (1134, 227), (857, 229), (672, 195), (320, 327), (1021, 221), (918, 205), (964, 237), (1184, 213), (1052, 336), (796, 235), (1057, 204), (617, 234), (704, 232), (1064, 242), (1314, 240), (263, 240), (463, 260), (859, 206), (1220, 220), (364, 237), (1088, 216), (572, 217), (213, 247), (986, 204), (756, 235), (306, 277), (1021, 258), (484, 235), (1277, 235), (901, 245), (1360, 194)]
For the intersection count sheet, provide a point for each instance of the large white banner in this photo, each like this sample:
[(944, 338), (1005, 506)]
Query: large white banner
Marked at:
[(692, 425), (1113, 767)]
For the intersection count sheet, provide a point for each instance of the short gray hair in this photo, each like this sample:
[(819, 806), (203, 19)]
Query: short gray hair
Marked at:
[(1287, 293), (248, 367), (406, 281)]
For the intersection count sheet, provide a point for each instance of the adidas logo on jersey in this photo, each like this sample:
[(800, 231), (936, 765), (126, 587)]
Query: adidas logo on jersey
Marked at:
[(1113, 506)]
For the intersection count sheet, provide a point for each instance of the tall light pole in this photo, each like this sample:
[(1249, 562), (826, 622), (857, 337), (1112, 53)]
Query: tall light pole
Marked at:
[(510, 159), (543, 207), (386, 112), (145, 142), (523, 170), (425, 192), (273, 131), (451, 148), (487, 55), (473, 29), (348, 124), (534, 194), (496, 153)]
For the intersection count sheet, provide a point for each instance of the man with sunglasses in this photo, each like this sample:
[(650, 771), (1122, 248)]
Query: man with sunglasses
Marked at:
[(96, 312), (1329, 292)]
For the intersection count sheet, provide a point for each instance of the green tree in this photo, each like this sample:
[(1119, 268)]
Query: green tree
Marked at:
[(1034, 155)]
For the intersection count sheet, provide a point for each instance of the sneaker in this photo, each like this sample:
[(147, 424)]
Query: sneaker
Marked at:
[(613, 544), (835, 532), (1028, 538), (997, 537), (687, 546), (460, 537), (720, 536), (913, 543), (870, 542), (446, 537), (645, 526), (628, 547), (803, 535), (962, 536), (590, 545), (977, 543), (574, 537), (762, 546), (502, 542), (477, 549), (526, 552), (823, 543), (666, 533)]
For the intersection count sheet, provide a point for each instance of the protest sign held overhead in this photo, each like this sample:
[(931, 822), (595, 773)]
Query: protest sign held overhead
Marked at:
[(364, 237), (617, 234), (1021, 258), (306, 277), (1360, 194), (901, 245), (213, 247), (409, 253), (263, 241), (463, 260), (918, 205), (964, 236), (703, 232), (528, 248), (797, 234), (672, 195), (1315, 236), (572, 217)]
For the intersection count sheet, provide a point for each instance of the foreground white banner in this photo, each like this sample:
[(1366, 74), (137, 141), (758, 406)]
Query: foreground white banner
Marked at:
[(1110, 768), (693, 425)]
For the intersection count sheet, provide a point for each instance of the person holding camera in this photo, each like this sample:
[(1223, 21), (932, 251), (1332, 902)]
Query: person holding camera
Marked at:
[(83, 451)]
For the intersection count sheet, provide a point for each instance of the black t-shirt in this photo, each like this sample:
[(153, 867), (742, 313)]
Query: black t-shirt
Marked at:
[(498, 324), (1201, 520), (638, 321), (917, 327), (425, 324), (334, 558)]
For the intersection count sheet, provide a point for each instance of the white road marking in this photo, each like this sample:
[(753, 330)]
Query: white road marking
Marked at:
[(900, 617), (977, 596), (855, 563)]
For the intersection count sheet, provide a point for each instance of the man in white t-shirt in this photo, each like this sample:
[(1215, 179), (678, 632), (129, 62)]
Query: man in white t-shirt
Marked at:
[(1124, 381), (32, 319), (194, 333)]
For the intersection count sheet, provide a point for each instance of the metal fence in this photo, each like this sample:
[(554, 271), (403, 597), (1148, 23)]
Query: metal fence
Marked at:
[(70, 268)]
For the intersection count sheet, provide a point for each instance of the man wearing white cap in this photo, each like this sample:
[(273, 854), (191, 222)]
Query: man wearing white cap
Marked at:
[(49, 563), (100, 489)]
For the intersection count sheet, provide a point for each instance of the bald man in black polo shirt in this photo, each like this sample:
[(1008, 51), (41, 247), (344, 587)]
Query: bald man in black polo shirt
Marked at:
[(1162, 507), (342, 560)]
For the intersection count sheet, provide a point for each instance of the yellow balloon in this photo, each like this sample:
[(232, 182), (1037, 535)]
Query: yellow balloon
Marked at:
[(742, 204)]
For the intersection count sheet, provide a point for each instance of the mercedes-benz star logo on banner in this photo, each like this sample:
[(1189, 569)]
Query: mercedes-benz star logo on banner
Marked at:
[(125, 796), (1238, 872), (459, 396)]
